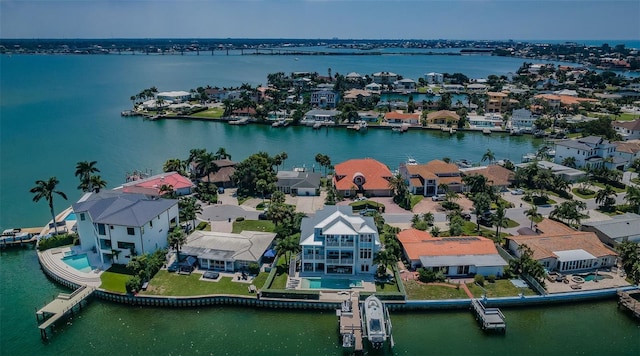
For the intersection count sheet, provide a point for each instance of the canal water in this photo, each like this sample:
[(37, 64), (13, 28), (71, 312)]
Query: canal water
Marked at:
[(58, 110)]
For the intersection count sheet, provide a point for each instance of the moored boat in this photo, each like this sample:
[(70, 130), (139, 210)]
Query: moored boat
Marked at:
[(486, 131), (376, 322)]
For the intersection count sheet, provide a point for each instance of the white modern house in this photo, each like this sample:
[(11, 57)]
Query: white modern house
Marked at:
[(434, 78), (335, 242), (121, 225), (588, 151), (522, 120), (324, 98), (385, 77), (228, 252), (177, 96)]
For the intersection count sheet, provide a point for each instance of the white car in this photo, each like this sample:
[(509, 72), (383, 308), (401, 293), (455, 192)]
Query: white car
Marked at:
[(438, 197), (517, 192)]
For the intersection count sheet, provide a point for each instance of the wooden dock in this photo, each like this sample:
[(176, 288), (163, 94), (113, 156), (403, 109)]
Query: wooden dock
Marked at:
[(631, 301), (489, 318), (351, 323), (64, 304)]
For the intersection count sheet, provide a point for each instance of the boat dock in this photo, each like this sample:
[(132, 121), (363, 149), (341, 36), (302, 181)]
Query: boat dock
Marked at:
[(19, 237), (490, 318), (351, 322), (64, 304), (631, 301)]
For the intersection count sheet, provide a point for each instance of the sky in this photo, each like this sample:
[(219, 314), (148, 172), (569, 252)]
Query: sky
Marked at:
[(346, 19)]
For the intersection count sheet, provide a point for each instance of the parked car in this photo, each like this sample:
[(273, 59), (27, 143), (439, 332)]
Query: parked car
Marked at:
[(367, 211), (220, 190), (361, 199), (466, 216), (438, 197), (263, 216), (486, 219), (517, 191)]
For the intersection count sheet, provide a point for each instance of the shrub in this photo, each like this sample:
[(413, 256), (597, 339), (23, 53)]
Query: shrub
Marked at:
[(428, 275), (491, 278), (240, 218), (254, 268), (133, 284), (57, 241), (479, 279), (202, 225)]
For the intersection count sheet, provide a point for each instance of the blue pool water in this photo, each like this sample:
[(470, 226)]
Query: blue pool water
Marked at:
[(79, 262), (71, 217), (592, 276), (317, 283)]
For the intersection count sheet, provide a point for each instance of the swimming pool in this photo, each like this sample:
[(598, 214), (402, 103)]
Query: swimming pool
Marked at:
[(592, 276), (71, 217), (79, 262), (327, 283)]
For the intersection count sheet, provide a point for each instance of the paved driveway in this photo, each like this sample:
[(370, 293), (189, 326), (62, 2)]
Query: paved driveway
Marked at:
[(222, 212)]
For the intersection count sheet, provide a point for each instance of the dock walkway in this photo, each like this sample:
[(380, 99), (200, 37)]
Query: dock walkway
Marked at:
[(351, 322), (628, 301), (490, 318), (61, 306)]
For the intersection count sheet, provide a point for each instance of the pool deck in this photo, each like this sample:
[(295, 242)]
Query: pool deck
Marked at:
[(616, 281), (52, 259)]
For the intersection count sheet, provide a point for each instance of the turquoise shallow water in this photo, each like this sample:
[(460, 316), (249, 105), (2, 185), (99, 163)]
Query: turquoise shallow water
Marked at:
[(58, 110)]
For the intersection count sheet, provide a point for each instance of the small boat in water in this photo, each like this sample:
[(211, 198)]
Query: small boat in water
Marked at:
[(486, 131), (376, 322)]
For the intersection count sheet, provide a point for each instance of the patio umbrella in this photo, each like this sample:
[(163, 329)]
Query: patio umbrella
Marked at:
[(270, 253)]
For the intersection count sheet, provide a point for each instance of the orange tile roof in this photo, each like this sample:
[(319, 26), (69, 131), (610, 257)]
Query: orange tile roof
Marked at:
[(376, 174), (153, 184), (565, 99), (496, 94), (418, 243), (441, 167), (443, 114), (496, 175), (556, 236), (401, 116)]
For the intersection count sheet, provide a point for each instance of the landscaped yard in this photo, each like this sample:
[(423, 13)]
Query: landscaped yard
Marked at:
[(577, 192), (280, 280), (387, 287), (500, 288), (418, 291), (115, 278), (166, 283), (615, 189), (213, 113), (253, 225)]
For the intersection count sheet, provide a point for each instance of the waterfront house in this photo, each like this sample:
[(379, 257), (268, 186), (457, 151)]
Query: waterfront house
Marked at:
[(434, 78), (588, 151), (324, 98), (425, 179), (523, 120), (335, 242), (627, 151), (228, 252), (385, 78), (497, 176), (556, 101), (152, 185), (355, 95), (456, 256), (453, 88), (497, 102), (405, 85), (443, 117), (362, 176), (560, 248), (369, 116), (247, 112), (373, 88), (487, 121), (619, 228), (121, 225), (316, 115), (628, 130), (569, 174), (174, 96), (354, 77), (222, 177), (395, 118), (476, 88), (298, 182)]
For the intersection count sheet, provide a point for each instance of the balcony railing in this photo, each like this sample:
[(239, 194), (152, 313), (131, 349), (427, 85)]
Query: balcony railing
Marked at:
[(338, 244), (339, 261)]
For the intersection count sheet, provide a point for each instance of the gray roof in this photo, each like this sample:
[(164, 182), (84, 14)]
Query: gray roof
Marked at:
[(322, 112), (584, 143), (344, 217), (463, 260), (223, 246), (620, 226), (296, 179), (574, 255), (122, 209)]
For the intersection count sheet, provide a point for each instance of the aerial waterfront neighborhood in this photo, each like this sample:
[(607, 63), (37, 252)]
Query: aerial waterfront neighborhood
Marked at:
[(552, 226)]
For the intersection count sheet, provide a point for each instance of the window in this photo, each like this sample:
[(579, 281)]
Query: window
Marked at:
[(126, 245), (130, 231), (82, 218), (364, 268), (101, 230), (365, 253), (150, 223)]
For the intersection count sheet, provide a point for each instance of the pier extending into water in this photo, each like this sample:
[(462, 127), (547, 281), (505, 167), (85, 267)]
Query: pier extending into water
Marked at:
[(489, 318), (64, 304), (351, 322), (631, 301)]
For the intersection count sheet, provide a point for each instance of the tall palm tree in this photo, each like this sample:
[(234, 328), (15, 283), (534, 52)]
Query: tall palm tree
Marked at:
[(499, 219), (221, 153), (207, 165), (46, 189), (633, 197), (97, 183), (84, 170), (533, 214), (488, 156), (174, 165), (604, 197), (176, 239)]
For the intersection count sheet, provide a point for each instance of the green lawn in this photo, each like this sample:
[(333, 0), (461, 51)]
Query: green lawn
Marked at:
[(114, 282), (615, 189), (576, 191), (415, 199), (418, 291), (166, 283), (625, 116), (213, 113), (500, 288), (387, 287), (253, 225)]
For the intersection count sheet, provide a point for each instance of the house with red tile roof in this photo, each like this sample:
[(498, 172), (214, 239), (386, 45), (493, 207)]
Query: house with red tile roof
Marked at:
[(443, 117), (394, 118), (362, 176), (497, 176), (454, 256), (560, 248), (425, 178), (152, 185)]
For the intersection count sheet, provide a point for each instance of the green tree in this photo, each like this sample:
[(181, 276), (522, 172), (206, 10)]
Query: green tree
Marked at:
[(222, 153), (258, 166), (533, 214), (174, 165), (288, 246), (570, 211), (84, 170), (606, 198), (488, 156), (188, 209), (481, 204), (400, 189), (384, 259), (207, 165), (176, 239), (499, 220), (632, 197), (47, 189), (96, 182), (569, 162)]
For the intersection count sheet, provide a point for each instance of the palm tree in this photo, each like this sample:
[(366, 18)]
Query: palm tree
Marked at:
[(221, 153), (633, 197), (207, 165), (384, 259), (189, 209), (283, 157), (475, 183), (569, 162), (488, 156), (176, 239), (604, 197), (97, 183), (166, 191), (84, 170), (287, 246), (46, 189), (194, 156), (533, 214), (174, 165), (499, 219)]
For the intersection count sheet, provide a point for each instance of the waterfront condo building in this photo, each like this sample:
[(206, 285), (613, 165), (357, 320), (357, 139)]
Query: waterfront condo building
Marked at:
[(121, 225), (336, 242), (591, 151)]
